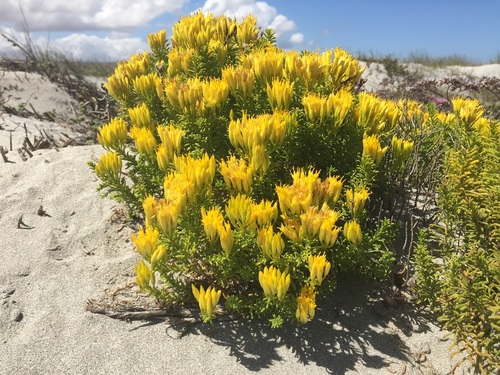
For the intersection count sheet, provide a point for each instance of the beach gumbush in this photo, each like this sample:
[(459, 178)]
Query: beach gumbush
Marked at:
[(255, 169)]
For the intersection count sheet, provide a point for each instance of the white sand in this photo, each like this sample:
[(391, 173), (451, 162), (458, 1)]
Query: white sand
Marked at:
[(49, 272)]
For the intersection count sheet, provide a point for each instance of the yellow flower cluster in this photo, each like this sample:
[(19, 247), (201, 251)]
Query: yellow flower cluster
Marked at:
[(237, 174), (240, 81), (179, 61), (145, 277), (158, 41), (373, 149), (401, 149), (319, 268), (274, 282), (215, 226), (264, 213), (141, 117), (200, 172), (352, 232), (267, 64), (207, 301), (356, 199), (112, 136), (319, 222), (306, 304), (467, 110), (375, 114), (271, 244), (171, 138), (252, 135), (280, 94), (327, 191), (296, 198), (119, 83), (146, 242), (345, 71), (239, 211), (109, 166), (147, 86), (334, 108), (145, 141)]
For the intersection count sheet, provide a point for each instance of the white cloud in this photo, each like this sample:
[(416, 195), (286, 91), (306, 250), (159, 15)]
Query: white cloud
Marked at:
[(67, 15), (297, 38), (267, 16)]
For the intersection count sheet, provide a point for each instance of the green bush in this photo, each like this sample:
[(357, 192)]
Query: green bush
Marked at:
[(459, 277), (257, 170)]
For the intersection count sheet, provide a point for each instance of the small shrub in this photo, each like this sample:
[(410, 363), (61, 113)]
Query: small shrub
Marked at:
[(459, 277)]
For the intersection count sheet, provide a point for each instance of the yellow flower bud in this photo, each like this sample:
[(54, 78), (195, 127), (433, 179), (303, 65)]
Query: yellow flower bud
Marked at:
[(306, 303), (158, 255), (167, 215), (207, 301), (145, 141), (319, 268), (146, 242), (345, 70), (140, 116), (239, 211), (371, 112), (271, 244), (237, 175), (145, 278), (373, 149), (264, 213), (158, 41), (149, 206), (274, 282), (226, 237), (356, 199), (468, 110), (340, 104), (211, 220), (352, 232), (113, 134), (109, 166), (280, 94)]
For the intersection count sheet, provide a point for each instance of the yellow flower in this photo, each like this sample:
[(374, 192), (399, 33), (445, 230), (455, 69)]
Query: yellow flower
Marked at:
[(247, 31), (339, 105), (319, 268), (371, 112), (186, 97), (179, 61), (373, 149), (158, 255), (296, 198), (316, 108), (215, 93), (291, 228), (468, 110), (211, 220), (146, 242), (140, 116), (157, 42), (171, 138), (237, 175), (327, 191), (270, 243), (239, 211), (144, 277), (118, 85), (167, 215), (356, 199), (345, 70), (145, 141), (280, 94), (149, 206), (274, 282), (145, 86), (401, 149), (259, 158), (240, 81), (207, 300), (312, 220), (264, 213), (328, 232), (200, 171), (109, 165), (178, 187), (306, 303), (352, 232), (226, 237), (113, 134)]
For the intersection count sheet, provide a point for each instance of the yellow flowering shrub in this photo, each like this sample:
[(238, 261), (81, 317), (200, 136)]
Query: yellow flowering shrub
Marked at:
[(256, 170)]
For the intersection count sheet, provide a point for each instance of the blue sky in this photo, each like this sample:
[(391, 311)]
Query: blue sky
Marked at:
[(114, 29)]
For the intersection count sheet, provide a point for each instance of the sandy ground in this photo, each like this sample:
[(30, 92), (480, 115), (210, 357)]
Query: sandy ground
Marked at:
[(61, 244)]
